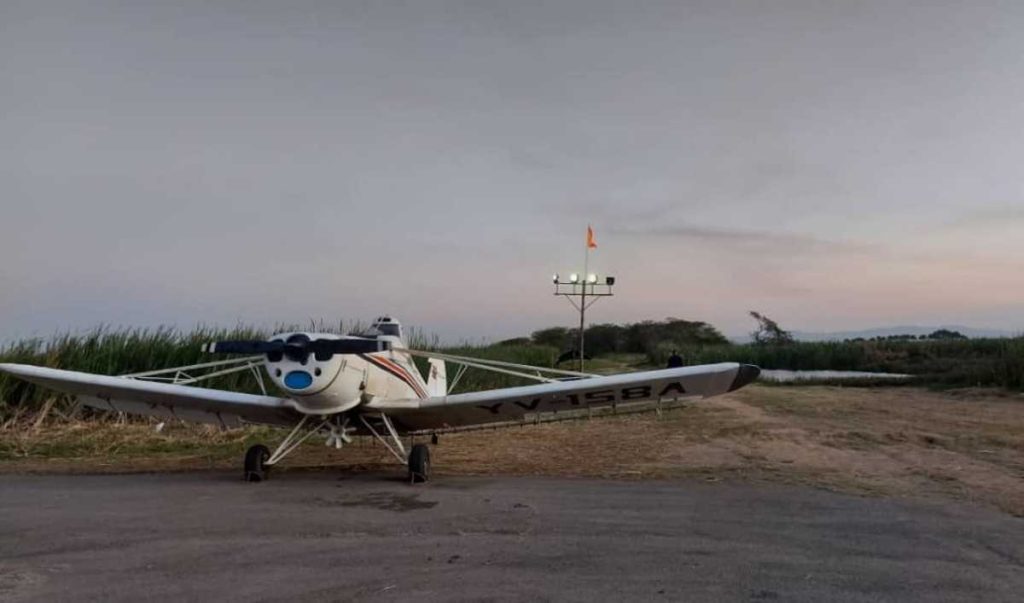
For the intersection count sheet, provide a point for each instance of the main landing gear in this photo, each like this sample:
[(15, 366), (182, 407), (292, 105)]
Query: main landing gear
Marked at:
[(259, 459), (417, 459), (255, 463), (419, 464)]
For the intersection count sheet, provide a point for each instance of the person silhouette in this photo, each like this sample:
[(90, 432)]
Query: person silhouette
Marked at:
[(675, 360)]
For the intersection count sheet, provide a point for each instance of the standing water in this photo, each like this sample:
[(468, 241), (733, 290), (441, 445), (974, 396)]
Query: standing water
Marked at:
[(782, 376)]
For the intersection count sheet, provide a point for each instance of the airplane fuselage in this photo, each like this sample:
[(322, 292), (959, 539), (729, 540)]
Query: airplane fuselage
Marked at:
[(333, 383)]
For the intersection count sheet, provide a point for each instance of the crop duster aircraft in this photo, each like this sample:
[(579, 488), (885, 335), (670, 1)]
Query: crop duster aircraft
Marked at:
[(368, 384)]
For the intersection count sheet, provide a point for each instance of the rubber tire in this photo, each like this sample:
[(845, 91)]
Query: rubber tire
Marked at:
[(419, 463), (255, 470)]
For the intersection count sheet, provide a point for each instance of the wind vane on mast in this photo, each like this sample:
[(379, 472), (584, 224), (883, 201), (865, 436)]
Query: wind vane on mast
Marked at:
[(582, 287)]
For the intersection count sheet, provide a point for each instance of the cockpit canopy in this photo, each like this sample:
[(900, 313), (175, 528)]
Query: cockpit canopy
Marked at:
[(385, 325)]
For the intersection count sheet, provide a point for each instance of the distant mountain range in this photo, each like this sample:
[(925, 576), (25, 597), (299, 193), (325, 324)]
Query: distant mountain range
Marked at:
[(887, 331)]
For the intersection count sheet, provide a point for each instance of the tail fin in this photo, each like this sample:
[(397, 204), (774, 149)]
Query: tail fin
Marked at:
[(437, 380)]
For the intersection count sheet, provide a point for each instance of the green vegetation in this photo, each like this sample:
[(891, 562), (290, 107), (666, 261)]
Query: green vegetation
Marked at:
[(646, 337), (939, 334), (947, 363), (108, 351), (112, 439), (111, 352), (519, 353), (940, 361)]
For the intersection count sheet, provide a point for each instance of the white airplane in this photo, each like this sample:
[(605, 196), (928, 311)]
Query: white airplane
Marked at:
[(367, 384)]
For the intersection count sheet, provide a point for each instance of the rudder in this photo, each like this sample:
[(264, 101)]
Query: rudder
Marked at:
[(437, 379)]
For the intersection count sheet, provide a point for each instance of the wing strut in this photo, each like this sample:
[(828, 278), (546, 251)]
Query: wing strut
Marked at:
[(458, 375), (536, 373), (183, 375), (293, 440), (400, 453)]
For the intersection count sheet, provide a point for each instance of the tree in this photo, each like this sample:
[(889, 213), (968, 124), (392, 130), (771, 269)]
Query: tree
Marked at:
[(515, 341), (681, 331), (947, 334), (603, 339), (633, 338), (556, 337), (769, 332)]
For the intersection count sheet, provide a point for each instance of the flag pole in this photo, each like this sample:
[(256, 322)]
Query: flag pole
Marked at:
[(576, 287), (583, 296)]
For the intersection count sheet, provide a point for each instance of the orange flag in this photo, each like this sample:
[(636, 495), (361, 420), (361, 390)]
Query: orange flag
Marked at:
[(591, 243)]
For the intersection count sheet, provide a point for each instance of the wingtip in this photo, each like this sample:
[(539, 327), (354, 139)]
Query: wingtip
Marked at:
[(746, 374)]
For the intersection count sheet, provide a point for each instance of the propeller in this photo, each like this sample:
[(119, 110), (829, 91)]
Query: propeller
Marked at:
[(298, 346)]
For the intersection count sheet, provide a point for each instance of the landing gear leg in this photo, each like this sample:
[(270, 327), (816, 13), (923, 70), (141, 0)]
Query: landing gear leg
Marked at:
[(259, 460), (417, 459), (256, 468)]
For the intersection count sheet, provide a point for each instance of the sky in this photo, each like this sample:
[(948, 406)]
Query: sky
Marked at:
[(834, 165)]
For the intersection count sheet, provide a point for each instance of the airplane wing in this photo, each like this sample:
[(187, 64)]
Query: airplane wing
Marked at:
[(517, 403), (219, 407)]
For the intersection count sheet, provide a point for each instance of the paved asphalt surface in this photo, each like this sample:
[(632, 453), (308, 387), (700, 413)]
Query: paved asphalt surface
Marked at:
[(313, 536)]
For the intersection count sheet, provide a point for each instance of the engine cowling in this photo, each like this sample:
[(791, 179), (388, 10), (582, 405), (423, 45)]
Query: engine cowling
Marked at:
[(318, 382)]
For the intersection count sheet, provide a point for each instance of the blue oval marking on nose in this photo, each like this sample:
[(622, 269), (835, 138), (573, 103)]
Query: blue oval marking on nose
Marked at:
[(298, 380)]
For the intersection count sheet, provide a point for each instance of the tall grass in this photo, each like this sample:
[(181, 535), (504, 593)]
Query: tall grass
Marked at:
[(477, 380), (113, 351), (108, 351), (118, 351), (973, 362)]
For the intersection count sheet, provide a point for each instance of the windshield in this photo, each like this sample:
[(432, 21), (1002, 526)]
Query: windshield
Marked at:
[(389, 329)]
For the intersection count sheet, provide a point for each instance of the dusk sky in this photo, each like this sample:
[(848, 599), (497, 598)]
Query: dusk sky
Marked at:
[(835, 165)]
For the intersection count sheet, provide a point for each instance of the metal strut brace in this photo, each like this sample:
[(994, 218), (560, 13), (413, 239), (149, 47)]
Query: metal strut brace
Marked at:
[(401, 456), (487, 364), (290, 443), (458, 375), (181, 375), (394, 434), (259, 377)]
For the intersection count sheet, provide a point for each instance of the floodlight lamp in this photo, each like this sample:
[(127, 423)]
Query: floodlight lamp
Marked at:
[(574, 278), (554, 279), (609, 280), (591, 278)]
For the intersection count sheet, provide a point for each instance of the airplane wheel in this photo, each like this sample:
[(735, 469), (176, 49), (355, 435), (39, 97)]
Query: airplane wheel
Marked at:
[(419, 463), (255, 470)]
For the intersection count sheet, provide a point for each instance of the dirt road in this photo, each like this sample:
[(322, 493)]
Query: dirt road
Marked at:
[(900, 441)]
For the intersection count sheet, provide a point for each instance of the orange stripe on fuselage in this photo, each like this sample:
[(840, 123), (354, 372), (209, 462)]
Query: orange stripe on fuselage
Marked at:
[(403, 374), (398, 371)]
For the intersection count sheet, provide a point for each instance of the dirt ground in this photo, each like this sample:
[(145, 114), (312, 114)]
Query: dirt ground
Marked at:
[(966, 445)]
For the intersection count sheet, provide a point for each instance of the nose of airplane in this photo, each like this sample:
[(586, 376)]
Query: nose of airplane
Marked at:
[(298, 380)]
